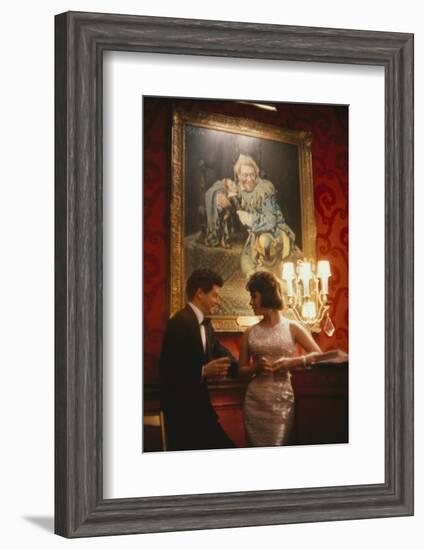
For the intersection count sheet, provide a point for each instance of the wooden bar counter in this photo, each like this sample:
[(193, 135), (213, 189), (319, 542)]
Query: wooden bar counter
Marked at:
[(321, 411)]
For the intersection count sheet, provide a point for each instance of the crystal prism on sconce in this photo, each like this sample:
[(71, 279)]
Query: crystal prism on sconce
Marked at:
[(306, 294)]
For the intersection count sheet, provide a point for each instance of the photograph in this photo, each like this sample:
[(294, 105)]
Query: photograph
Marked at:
[(245, 248)]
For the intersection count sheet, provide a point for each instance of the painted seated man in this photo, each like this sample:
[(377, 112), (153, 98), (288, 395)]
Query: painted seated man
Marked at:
[(270, 239)]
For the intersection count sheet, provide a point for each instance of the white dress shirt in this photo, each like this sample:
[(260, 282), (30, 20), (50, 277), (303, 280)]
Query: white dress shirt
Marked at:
[(200, 318)]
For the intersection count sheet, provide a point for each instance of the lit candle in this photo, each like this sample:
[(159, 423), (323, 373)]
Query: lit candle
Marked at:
[(323, 273), (308, 310), (288, 276), (305, 274)]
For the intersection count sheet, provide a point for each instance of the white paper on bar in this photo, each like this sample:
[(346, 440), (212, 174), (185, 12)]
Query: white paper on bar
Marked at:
[(127, 471)]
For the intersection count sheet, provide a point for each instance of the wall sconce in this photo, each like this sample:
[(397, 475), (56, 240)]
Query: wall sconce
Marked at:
[(306, 294)]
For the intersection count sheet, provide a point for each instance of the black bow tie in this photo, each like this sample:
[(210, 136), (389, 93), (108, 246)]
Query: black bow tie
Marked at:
[(206, 321)]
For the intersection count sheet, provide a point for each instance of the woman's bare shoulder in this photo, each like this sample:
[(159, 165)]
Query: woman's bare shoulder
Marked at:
[(294, 326), (247, 331)]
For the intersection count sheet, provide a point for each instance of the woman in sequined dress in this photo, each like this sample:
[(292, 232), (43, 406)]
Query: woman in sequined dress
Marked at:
[(271, 345)]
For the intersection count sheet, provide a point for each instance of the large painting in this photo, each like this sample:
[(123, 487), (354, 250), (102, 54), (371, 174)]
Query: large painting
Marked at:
[(242, 201)]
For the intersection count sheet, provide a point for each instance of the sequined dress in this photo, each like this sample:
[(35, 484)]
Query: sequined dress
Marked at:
[(269, 400)]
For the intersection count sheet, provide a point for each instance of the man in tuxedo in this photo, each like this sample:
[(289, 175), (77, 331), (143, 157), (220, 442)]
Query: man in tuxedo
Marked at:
[(191, 355)]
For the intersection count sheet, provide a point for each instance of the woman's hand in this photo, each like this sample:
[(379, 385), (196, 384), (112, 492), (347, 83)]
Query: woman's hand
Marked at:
[(273, 366), (283, 363), (312, 357), (265, 366)]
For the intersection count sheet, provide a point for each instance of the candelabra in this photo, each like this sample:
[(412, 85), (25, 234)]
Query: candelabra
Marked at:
[(306, 294)]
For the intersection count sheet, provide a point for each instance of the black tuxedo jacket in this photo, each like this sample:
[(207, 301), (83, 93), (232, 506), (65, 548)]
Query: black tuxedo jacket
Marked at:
[(184, 394)]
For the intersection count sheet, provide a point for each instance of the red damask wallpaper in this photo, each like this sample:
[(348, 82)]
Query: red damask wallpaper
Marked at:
[(329, 127)]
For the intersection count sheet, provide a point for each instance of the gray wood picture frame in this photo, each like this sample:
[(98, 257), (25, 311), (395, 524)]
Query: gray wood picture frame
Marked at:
[(80, 40)]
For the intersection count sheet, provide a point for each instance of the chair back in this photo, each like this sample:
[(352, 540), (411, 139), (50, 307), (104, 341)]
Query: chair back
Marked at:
[(157, 420)]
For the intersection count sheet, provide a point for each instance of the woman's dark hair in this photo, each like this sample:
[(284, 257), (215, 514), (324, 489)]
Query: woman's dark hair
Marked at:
[(268, 287), (204, 279)]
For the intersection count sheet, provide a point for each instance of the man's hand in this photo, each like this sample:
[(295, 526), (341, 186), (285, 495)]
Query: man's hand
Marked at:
[(217, 368)]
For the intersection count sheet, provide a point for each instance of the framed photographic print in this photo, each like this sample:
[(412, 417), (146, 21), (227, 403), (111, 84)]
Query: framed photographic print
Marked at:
[(229, 187), (210, 162)]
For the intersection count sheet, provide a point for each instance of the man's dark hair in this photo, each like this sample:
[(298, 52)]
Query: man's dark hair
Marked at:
[(204, 279), (267, 285)]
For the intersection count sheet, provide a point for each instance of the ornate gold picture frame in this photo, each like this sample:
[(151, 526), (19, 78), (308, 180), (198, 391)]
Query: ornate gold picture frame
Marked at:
[(206, 150)]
